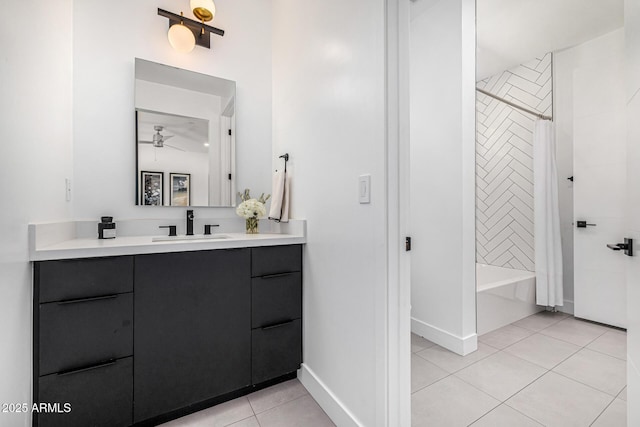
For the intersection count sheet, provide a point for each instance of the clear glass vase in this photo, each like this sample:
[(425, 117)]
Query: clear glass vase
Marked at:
[(252, 226)]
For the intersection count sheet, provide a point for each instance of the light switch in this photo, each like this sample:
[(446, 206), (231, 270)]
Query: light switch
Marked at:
[(364, 189), (67, 189)]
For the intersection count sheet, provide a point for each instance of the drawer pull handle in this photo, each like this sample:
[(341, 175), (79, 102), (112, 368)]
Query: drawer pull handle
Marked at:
[(273, 276), (264, 328), (73, 301), (88, 368)]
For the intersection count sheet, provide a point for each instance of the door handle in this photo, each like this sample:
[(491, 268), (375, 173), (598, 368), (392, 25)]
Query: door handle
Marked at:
[(100, 298), (584, 224), (89, 368), (627, 247)]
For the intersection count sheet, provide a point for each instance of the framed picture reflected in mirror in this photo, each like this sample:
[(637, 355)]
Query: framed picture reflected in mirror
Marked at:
[(180, 188), (152, 188)]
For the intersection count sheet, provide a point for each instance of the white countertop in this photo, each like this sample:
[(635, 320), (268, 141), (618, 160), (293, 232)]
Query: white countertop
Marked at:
[(65, 245)]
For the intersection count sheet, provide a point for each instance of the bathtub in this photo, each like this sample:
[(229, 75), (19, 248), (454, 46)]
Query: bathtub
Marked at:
[(505, 295)]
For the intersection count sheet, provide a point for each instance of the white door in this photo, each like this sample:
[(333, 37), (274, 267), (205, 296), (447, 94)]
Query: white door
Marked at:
[(600, 173), (632, 23), (633, 263)]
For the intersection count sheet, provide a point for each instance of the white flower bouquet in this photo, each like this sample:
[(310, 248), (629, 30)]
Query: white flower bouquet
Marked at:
[(252, 210)]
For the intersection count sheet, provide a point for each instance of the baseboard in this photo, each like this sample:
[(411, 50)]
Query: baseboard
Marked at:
[(329, 402), (633, 383), (456, 344), (567, 307)]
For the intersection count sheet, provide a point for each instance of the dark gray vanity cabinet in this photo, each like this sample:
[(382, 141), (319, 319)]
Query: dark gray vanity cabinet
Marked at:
[(143, 339), (192, 330), (276, 308), (83, 342)]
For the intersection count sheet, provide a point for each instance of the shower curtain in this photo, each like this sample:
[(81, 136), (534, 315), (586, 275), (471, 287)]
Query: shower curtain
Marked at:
[(548, 247)]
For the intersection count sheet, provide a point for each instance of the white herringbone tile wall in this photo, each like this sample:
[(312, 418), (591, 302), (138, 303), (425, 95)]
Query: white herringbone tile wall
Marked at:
[(504, 163)]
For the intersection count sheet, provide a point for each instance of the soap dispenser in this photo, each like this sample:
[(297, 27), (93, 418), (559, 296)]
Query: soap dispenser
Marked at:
[(106, 228)]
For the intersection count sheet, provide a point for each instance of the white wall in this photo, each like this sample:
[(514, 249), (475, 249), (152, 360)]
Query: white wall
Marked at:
[(35, 158), (329, 115), (71, 80), (632, 56), (442, 174), (605, 48), (104, 86)]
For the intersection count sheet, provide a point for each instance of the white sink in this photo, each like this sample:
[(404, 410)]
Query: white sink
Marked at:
[(197, 238)]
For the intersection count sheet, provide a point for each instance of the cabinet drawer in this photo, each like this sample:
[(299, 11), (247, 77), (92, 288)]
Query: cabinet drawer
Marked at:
[(81, 278), (83, 332), (276, 298), (99, 396), (275, 259), (277, 350)]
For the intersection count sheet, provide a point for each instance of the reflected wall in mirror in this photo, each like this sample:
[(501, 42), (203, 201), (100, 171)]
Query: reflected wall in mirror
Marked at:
[(185, 130)]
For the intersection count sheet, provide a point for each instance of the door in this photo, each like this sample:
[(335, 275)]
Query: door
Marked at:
[(632, 23), (600, 173), (192, 330), (226, 134)]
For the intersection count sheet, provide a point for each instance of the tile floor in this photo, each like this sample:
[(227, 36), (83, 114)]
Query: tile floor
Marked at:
[(549, 369), (284, 405), (546, 370)]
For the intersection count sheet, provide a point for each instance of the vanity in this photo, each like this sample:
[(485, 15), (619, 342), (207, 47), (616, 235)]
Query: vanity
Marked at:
[(136, 332), (146, 328)]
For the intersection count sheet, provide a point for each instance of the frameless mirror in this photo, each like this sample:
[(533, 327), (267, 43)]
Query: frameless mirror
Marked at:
[(185, 137)]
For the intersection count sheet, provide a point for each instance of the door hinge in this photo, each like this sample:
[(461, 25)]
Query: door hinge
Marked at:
[(229, 132), (407, 244), (229, 177)]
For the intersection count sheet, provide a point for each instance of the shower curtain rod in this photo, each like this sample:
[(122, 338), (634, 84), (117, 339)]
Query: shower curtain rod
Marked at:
[(526, 110)]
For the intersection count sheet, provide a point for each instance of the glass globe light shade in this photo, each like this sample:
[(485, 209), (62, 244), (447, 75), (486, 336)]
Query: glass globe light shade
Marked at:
[(204, 10), (181, 38)]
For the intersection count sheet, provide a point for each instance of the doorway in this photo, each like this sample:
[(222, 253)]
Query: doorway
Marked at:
[(437, 180)]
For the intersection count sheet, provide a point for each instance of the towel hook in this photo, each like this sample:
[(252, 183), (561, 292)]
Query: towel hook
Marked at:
[(285, 156)]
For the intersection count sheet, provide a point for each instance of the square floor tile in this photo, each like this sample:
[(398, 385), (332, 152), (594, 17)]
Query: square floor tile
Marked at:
[(452, 362), (597, 370), (505, 416), (578, 332), (557, 401), (614, 416), (218, 416), (418, 343), (451, 403), (248, 422), (276, 395), (501, 375), (623, 394), (504, 337), (613, 343), (300, 412), (539, 321), (542, 350), (424, 373)]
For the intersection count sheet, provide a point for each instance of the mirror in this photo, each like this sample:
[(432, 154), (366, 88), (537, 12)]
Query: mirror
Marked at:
[(185, 137)]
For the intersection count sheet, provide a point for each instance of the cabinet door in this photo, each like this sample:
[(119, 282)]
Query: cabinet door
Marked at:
[(85, 332), (96, 396), (276, 299), (83, 278), (276, 259), (277, 350), (192, 331)]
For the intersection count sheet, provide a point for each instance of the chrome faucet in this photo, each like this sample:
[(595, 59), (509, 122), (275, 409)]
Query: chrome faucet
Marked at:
[(190, 217)]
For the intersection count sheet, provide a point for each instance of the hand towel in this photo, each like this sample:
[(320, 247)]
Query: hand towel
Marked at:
[(279, 211)]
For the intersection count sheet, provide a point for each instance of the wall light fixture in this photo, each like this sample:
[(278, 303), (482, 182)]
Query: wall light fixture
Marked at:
[(185, 33)]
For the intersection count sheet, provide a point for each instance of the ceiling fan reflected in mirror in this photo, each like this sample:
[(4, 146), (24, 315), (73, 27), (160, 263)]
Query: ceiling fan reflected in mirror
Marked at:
[(159, 139)]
